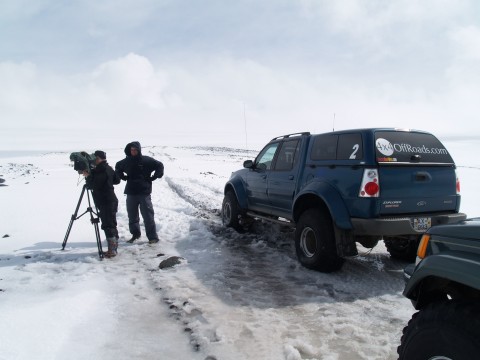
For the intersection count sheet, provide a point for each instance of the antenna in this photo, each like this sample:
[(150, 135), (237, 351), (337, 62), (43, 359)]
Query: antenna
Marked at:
[(333, 121), (245, 122)]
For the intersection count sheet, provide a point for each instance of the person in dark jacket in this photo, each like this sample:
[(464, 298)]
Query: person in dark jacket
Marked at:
[(139, 171), (100, 180)]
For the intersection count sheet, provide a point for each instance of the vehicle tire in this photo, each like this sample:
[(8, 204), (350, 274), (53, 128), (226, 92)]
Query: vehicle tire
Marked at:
[(315, 242), (443, 330), (231, 211), (402, 247)]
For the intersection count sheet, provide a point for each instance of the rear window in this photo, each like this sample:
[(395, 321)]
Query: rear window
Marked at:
[(337, 147), (410, 147), (324, 147), (350, 147)]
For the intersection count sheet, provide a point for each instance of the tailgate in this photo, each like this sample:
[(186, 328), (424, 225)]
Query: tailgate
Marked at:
[(416, 173), (417, 189)]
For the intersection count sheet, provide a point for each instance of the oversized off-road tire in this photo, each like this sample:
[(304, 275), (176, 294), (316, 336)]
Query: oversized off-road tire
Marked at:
[(315, 242), (443, 330), (402, 247), (231, 211)]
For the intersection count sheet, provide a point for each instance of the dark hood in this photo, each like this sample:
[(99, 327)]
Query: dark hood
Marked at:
[(134, 144)]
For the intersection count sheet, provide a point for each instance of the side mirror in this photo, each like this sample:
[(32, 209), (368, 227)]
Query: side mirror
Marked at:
[(248, 164)]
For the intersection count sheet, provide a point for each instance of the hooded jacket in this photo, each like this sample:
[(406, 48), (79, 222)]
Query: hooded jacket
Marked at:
[(137, 171)]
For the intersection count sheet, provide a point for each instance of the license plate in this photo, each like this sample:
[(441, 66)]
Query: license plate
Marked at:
[(422, 224)]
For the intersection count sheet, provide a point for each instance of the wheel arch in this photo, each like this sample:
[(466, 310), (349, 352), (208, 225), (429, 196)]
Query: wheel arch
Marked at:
[(440, 276), (326, 198), (236, 186)]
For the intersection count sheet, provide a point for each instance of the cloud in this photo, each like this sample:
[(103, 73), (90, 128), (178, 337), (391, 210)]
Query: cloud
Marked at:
[(182, 70), (363, 18), (467, 42), (214, 101), (131, 79), (15, 10), (19, 85)]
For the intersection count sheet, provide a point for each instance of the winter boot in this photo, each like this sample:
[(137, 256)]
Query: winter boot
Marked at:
[(134, 237), (115, 245), (112, 252)]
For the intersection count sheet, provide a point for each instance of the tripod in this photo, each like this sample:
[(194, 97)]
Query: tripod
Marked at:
[(93, 219)]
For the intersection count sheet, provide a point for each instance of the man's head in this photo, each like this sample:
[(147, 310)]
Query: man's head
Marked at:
[(100, 156), (134, 150)]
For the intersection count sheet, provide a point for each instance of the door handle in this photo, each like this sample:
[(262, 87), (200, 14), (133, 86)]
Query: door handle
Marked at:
[(291, 177), (423, 176)]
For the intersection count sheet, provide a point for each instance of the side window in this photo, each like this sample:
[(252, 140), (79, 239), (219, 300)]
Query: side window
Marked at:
[(324, 147), (350, 147), (287, 156), (264, 159)]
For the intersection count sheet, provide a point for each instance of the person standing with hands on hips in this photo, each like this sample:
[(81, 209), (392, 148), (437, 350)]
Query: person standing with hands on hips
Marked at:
[(137, 170), (100, 180)]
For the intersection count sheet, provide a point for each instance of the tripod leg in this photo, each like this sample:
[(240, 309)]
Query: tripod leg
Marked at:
[(74, 217), (94, 221), (99, 240), (67, 234)]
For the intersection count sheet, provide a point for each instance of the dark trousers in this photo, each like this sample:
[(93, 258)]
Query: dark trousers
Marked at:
[(107, 212), (146, 209)]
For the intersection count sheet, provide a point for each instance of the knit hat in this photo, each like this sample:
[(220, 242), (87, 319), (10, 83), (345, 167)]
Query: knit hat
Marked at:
[(101, 154)]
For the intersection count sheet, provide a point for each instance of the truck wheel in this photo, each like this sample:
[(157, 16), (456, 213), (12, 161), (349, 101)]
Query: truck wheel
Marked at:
[(402, 248), (231, 211), (442, 330), (315, 242)]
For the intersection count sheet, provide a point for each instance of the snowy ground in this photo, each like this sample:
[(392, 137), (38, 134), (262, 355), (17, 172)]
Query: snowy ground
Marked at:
[(232, 297)]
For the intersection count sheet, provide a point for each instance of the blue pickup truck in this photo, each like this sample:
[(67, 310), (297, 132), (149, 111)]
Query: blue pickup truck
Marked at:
[(344, 187)]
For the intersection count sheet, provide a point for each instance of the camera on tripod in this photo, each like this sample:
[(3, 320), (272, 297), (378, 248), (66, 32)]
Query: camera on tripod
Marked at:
[(82, 161)]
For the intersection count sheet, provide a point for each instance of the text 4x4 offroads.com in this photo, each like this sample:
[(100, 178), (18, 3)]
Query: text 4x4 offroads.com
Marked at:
[(344, 187)]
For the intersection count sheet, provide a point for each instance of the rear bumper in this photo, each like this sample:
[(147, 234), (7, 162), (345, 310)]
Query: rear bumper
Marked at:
[(401, 225)]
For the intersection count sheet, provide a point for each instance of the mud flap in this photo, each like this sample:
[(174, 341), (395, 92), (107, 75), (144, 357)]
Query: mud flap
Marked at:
[(345, 242)]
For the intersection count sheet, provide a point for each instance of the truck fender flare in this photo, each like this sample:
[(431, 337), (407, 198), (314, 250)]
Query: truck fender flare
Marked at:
[(445, 266), (330, 197), (236, 185)]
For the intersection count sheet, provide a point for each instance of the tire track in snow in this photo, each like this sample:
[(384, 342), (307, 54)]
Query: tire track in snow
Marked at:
[(241, 278), (176, 209), (205, 210), (219, 267)]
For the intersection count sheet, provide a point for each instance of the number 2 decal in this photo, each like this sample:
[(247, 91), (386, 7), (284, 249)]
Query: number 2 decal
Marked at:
[(354, 153)]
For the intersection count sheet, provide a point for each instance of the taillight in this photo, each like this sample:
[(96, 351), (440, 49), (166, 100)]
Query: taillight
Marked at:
[(370, 184), (458, 184), (371, 188)]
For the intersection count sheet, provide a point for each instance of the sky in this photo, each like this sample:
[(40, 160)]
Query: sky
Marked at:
[(82, 74), (232, 297)]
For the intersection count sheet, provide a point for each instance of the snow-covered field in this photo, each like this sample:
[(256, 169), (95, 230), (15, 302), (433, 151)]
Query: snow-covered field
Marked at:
[(233, 296)]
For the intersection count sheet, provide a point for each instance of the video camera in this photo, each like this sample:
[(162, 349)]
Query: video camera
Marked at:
[(82, 161)]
